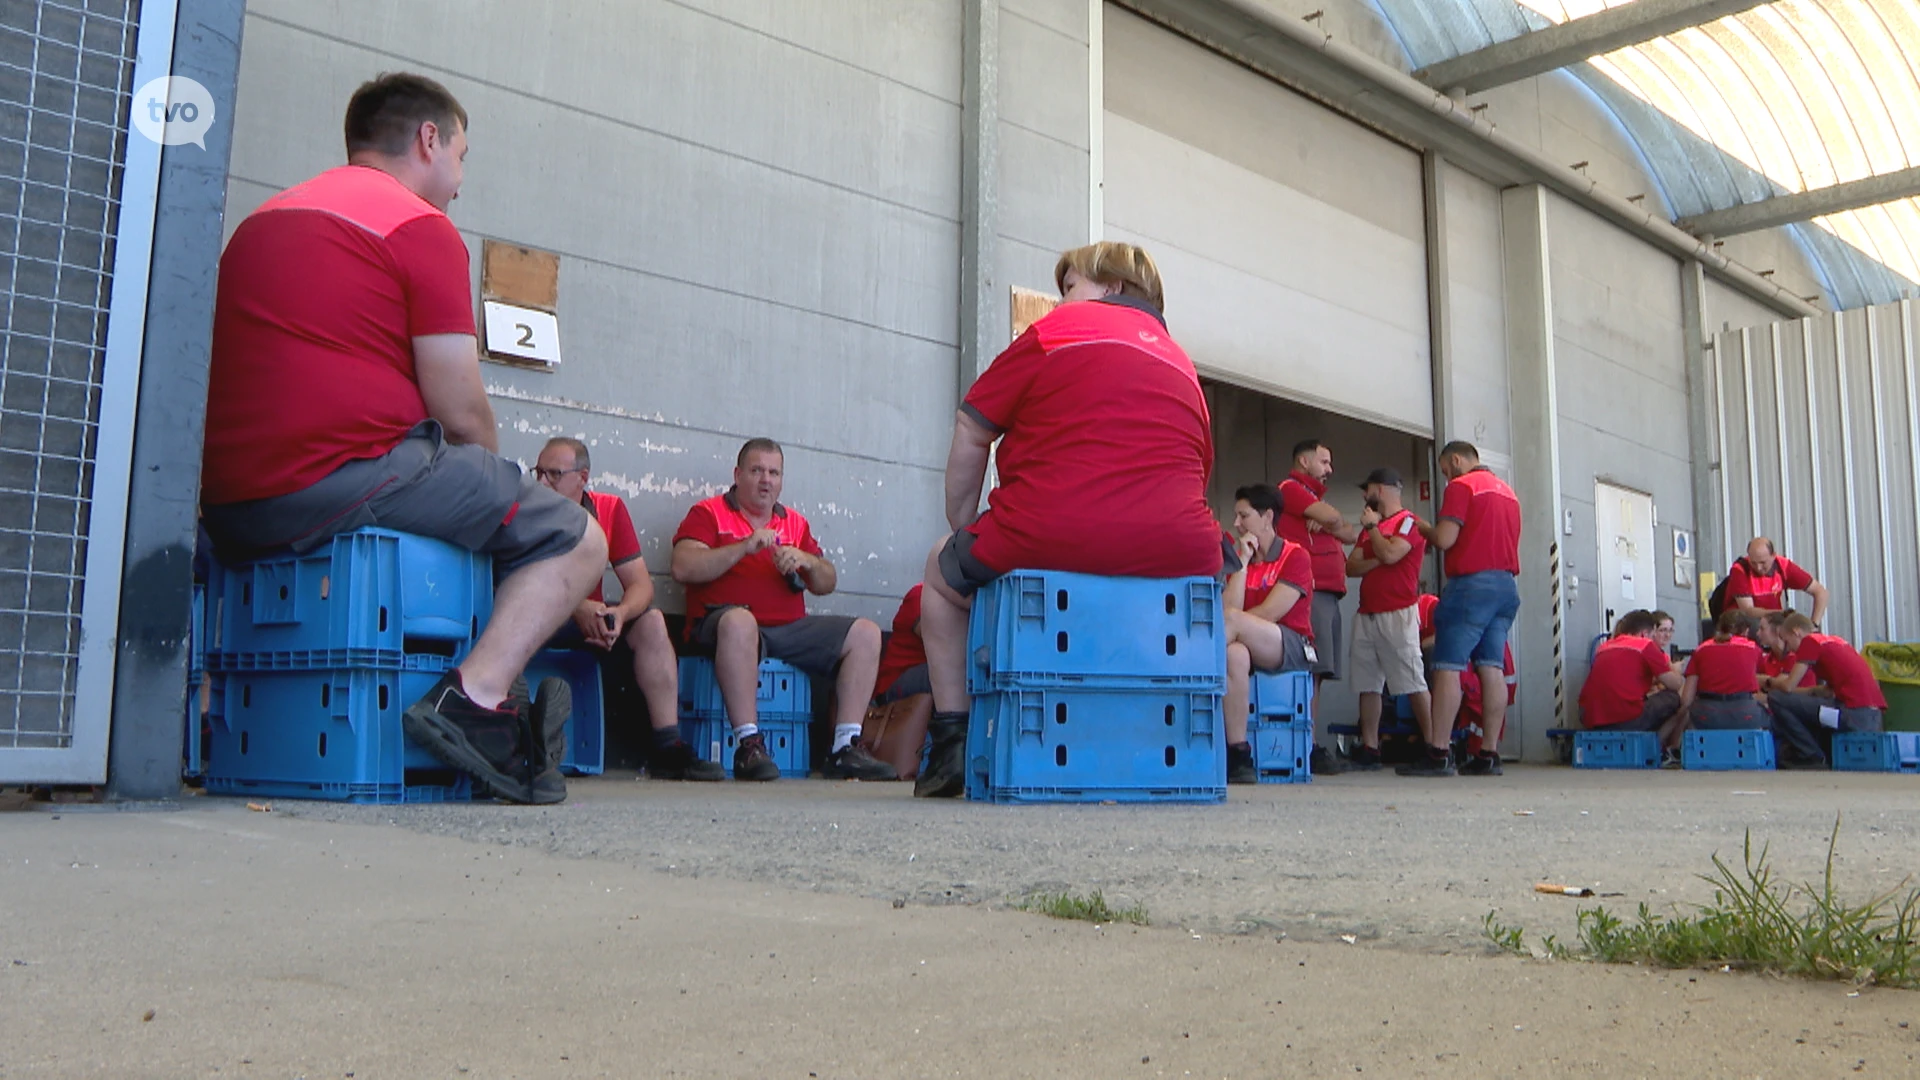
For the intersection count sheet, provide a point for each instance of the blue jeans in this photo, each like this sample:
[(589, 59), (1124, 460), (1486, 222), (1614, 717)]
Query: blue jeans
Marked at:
[(1472, 620)]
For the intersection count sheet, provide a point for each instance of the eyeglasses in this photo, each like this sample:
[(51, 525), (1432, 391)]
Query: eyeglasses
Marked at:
[(552, 474)]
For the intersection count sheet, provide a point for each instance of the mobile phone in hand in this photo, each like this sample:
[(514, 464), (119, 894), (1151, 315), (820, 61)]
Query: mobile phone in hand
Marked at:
[(607, 617)]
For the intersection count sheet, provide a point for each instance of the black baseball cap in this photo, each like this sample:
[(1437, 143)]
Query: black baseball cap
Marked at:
[(1389, 477)]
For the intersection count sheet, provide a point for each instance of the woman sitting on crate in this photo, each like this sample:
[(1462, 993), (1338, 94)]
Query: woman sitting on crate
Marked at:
[(1722, 691), (1105, 452), (1269, 615)]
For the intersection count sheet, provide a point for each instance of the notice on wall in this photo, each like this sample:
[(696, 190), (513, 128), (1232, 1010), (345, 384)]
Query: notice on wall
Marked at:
[(520, 301), (522, 333), (1627, 591)]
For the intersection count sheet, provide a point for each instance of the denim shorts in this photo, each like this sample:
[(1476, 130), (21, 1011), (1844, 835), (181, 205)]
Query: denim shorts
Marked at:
[(1472, 620)]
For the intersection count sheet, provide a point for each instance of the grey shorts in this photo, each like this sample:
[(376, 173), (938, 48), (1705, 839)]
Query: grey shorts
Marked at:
[(1658, 710), (1729, 714), (811, 643), (914, 680), (1293, 653), (1328, 641), (963, 573), (465, 495)]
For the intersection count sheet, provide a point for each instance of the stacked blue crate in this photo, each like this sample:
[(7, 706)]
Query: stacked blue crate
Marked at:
[(1279, 726), (1096, 689), (194, 763), (316, 656), (1877, 751), (1720, 750), (783, 701), (1601, 749), (587, 728)]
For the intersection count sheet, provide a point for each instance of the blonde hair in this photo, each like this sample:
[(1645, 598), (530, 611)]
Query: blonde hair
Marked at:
[(1111, 262)]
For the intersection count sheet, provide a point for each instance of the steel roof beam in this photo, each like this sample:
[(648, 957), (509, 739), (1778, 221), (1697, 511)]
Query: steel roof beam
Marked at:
[(1789, 209)]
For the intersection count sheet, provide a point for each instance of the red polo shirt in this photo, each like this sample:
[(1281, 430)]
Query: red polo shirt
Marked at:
[(1489, 517), (322, 291), (1726, 667), (1297, 492), (904, 648), (1396, 587), (1773, 665), (1767, 591), (1616, 687), (1101, 419), (1843, 669), (1427, 603), (1289, 562), (623, 543), (753, 582)]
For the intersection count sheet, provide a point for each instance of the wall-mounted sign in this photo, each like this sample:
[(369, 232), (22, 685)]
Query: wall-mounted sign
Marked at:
[(1682, 546), (521, 333)]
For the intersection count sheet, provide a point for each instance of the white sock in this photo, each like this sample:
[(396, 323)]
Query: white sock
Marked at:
[(746, 731), (843, 736)]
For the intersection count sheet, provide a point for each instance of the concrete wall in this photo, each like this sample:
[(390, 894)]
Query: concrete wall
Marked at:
[(1477, 317)]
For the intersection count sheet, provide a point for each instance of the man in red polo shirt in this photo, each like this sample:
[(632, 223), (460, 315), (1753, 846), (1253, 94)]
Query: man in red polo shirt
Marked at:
[(1269, 620), (1615, 695), (345, 391), (564, 465), (1479, 529), (1100, 418), (1386, 633), (1759, 582), (1308, 519), (748, 562), (1805, 718)]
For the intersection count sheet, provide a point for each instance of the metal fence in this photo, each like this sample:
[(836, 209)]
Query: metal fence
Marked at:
[(1818, 423), (67, 70)]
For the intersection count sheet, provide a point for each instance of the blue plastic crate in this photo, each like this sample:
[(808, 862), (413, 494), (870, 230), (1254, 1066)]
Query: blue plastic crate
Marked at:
[(1282, 749), (1288, 694), (587, 727), (197, 633), (1055, 745), (1561, 740), (1032, 628), (1727, 750), (370, 597), (333, 735), (1877, 751), (783, 688), (193, 760), (786, 736), (1616, 750)]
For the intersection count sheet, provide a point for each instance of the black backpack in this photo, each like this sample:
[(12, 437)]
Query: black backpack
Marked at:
[(1717, 600)]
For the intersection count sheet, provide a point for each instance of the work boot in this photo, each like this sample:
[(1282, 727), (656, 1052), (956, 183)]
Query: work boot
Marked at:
[(852, 762), (547, 718), (1482, 764), (751, 761), (945, 774), (1434, 762), (1321, 763), (491, 745), (1364, 759), (1240, 766), (676, 761)]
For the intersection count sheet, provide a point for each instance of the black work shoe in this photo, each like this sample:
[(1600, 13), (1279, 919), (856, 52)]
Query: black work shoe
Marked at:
[(945, 774), (752, 762), (1801, 762), (1670, 758), (1364, 759), (1321, 763), (1240, 766), (491, 745), (547, 719), (676, 762), (1482, 764), (852, 762), (1428, 765)]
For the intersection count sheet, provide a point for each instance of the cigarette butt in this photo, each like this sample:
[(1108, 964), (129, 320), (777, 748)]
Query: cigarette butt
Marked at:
[(260, 807), (1562, 890)]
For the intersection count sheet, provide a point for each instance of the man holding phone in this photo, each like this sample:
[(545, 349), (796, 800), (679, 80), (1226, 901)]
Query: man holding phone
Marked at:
[(564, 466)]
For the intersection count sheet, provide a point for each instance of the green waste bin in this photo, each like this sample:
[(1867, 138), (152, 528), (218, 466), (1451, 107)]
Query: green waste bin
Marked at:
[(1897, 667)]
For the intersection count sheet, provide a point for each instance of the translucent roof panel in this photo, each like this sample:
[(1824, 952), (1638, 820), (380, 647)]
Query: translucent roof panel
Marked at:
[(1783, 98)]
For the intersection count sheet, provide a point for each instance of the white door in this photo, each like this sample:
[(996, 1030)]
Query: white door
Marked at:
[(1624, 521)]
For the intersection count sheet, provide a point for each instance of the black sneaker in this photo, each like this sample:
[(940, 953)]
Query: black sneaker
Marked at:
[(853, 762), (1801, 762), (752, 762), (677, 762), (1670, 758), (945, 773), (1364, 759), (1240, 766), (491, 745), (547, 719), (1482, 765), (1321, 763), (1428, 765)]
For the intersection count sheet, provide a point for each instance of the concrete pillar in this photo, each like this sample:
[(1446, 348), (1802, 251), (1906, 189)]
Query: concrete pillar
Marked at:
[(1439, 298), (1703, 414), (981, 335), (1537, 638)]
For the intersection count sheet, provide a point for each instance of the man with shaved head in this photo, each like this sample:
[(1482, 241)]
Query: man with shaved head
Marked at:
[(1760, 581)]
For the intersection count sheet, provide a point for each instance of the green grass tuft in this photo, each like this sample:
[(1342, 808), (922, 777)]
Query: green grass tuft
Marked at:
[(1090, 908), (1757, 922)]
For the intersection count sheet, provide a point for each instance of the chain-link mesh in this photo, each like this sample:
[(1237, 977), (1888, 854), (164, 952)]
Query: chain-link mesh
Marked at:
[(65, 70)]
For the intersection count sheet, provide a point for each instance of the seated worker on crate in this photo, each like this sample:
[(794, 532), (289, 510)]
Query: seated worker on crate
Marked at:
[(896, 725), (1722, 691), (564, 465), (1269, 609), (1806, 718), (1100, 418), (1616, 696), (748, 562), (345, 392)]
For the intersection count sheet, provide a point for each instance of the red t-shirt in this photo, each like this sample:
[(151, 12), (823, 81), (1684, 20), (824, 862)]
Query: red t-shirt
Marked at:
[(904, 649), (1101, 419), (322, 291), (1289, 562), (1843, 669), (1489, 517), (753, 582), (1616, 687), (1726, 667), (1297, 492), (1768, 592), (1427, 603), (1773, 665), (1397, 587), (623, 543)]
